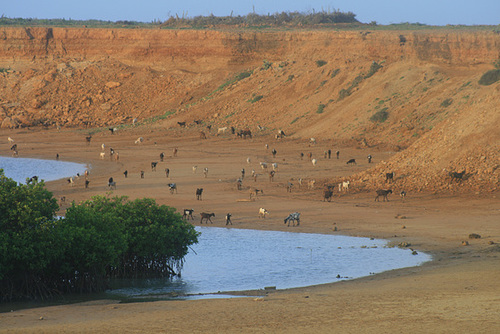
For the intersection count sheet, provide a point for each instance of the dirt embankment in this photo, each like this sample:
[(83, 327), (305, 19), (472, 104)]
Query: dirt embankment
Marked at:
[(415, 92)]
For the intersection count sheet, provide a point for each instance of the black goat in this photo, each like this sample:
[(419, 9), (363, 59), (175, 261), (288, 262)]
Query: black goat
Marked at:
[(457, 176), (153, 166), (351, 161), (389, 176), (199, 191), (383, 193), (327, 195)]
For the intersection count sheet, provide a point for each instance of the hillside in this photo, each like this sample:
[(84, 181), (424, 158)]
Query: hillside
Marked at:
[(413, 92)]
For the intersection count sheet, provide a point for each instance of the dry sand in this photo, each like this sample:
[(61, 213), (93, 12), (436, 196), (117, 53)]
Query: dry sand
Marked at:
[(455, 293)]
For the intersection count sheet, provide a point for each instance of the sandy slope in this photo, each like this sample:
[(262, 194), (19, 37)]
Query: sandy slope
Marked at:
[(457, 292)]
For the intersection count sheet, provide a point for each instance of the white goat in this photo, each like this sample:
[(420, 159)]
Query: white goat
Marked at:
[(139, 140), (263, 165), (10, 140), (221, 130), (314, 161), (310, 184), (194, 169), (275, 166), (345, 186), (263, 212), (312, 141), (103, 146), (205, 172), (248, 160), (102, 155)]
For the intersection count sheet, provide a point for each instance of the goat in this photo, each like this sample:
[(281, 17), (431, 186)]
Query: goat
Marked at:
[(271, 175), (289, 187), (337, 154), (125, 173), (403, 195), (139, 140), (205, 172), (389, 176), (275, 166), (351, 161), (71, 181), (153, 166), (327, 195), (383, 193), (172, 187), (301, 155), (167, 172), (249, 160), (233, 130), (221, 130), (228, 219), (162, 156), (87, 184), (182, 124), (244, 133), (293, 217), (102, 155), (174, 151), (310, 155), (312, 141), (310, 184), (134, 121), (345, 186), (197, 121), (103, 146), (112, 130), (242, 173), (329, 154), (206, 216), (199, 191), (112, 185), (456, 176), (13, 147), (11, 141), (142, 174), (281, 134), (314, 161), (255, 192), (194, 169), (88, 139), (239, 184), (274, 152), (188, 213), (263, 165), (263, 212), (260, 127), (369, 157)]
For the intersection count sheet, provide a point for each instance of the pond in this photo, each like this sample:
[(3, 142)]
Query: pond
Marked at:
[(19, 169), (229, 259)]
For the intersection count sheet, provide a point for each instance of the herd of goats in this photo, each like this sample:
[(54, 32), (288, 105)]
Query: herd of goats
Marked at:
[(293, 218)]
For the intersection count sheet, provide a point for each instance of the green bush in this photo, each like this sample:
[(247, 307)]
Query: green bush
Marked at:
[(490, 77), (321, 108), (320, 63), (380, 116), (255, 99), (267, 65), (373, 69), (100, 238), (446, 103)]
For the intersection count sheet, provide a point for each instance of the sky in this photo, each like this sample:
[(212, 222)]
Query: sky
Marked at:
[(431, 12)]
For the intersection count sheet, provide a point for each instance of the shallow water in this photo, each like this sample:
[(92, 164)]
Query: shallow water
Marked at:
[(228, 259), (19, 169)]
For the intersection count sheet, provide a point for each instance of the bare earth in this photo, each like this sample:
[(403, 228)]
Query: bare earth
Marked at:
[(458, 292)]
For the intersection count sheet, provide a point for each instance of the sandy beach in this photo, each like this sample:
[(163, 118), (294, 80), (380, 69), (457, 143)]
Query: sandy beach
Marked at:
[(457, 292)]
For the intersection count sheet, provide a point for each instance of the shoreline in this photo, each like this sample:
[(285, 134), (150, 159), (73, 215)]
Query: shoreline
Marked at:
[(422, 298)]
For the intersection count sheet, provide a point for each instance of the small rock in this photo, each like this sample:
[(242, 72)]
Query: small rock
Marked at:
[(474, 236)]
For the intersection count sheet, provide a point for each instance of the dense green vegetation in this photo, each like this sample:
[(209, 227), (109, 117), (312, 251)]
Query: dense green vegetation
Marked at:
[(42, 256), (490, 77)]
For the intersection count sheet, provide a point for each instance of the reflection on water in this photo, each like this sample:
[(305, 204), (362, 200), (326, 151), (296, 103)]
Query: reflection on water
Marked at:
[(227, 259), (19, 169)]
